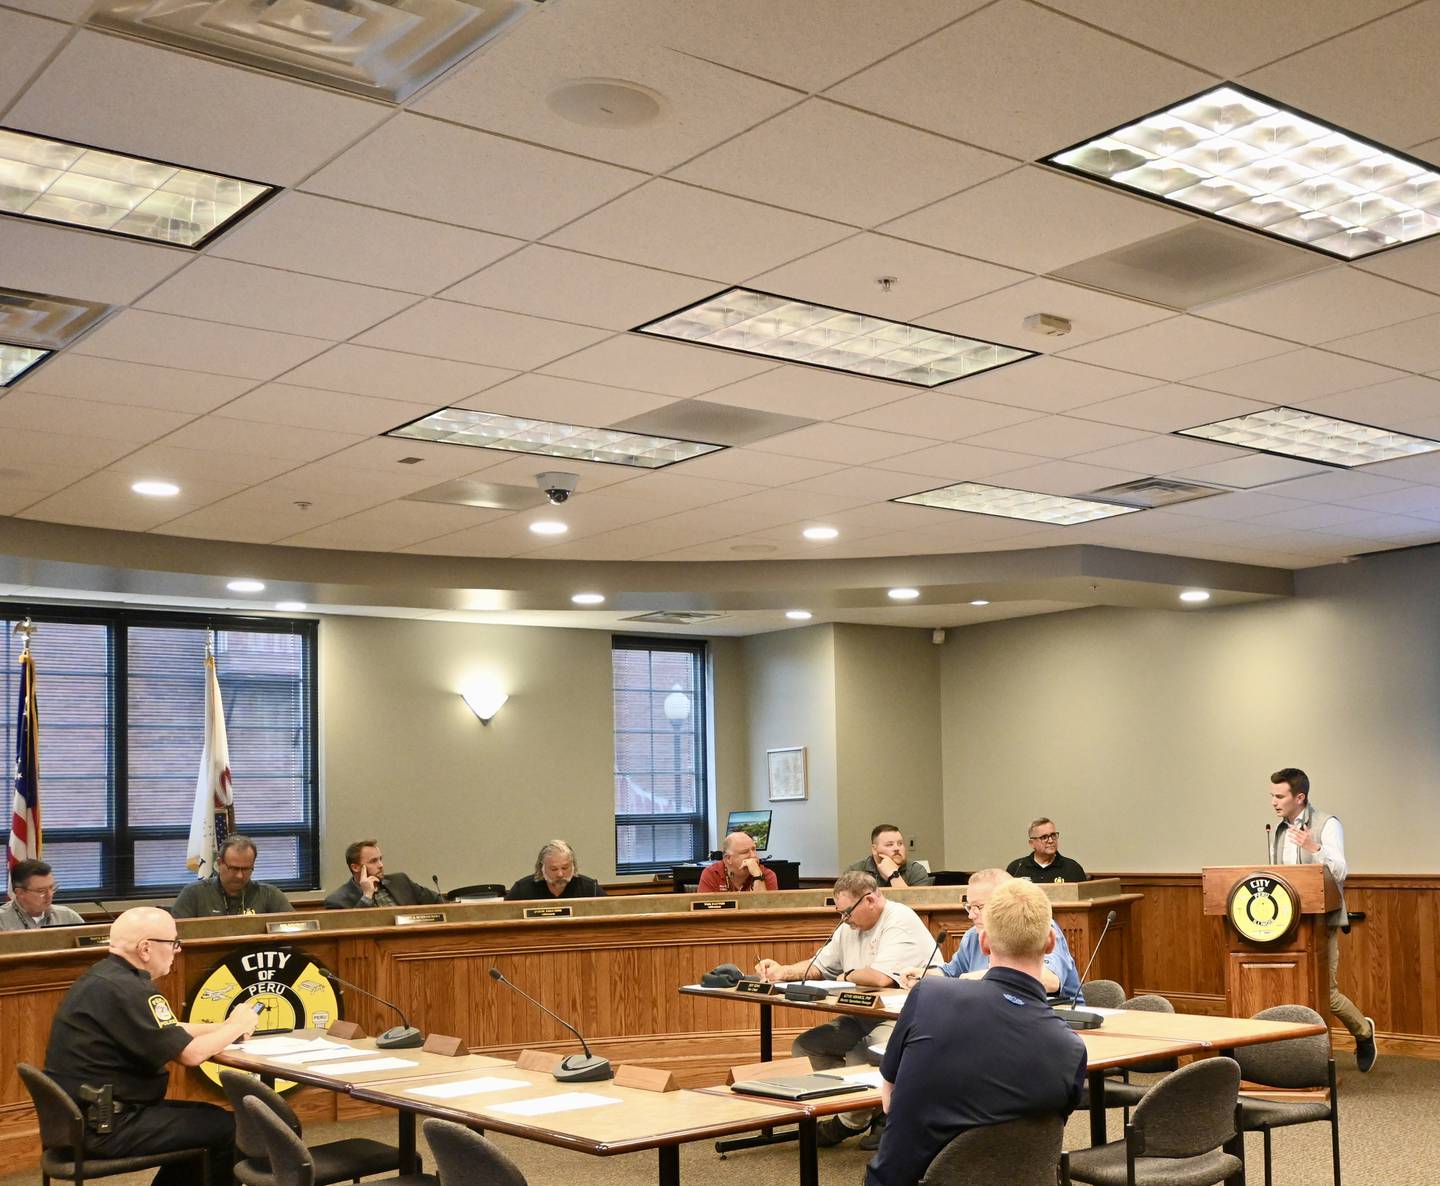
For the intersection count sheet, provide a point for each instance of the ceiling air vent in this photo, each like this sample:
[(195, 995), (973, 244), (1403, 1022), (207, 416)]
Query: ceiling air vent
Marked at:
[(675, 617), (1153, 492)]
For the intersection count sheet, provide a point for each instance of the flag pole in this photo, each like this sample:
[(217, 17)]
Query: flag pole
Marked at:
[(25, 838)]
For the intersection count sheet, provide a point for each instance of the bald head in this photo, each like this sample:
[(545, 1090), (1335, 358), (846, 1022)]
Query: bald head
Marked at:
[(140, 937)]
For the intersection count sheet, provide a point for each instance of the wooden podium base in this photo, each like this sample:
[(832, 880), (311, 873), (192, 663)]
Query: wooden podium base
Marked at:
[(1256, 979)]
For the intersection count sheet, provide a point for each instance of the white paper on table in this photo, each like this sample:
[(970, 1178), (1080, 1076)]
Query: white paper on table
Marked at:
[(308, 1056), (448, 1091), (870, 1076), (827, 985), (893, 1000), (566, 1101), (268, 1047), (366, 1064), (1062, 1010)]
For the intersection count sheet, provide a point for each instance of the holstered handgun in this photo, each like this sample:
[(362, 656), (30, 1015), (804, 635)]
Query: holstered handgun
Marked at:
[(99, 1107)]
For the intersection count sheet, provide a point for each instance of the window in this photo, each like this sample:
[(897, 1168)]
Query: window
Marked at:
[(122, 708), (660, 753)]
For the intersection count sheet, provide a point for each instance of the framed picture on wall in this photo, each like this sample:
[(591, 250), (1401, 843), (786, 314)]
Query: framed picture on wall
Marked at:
[(789, 775)]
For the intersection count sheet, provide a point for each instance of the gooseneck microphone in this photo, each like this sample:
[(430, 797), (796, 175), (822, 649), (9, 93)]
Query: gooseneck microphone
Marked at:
[(435, 877), (930, 959), (1269, 845), (811, 992), (573, 1068), (105, 910), (401, 1037), (1082, 1019)]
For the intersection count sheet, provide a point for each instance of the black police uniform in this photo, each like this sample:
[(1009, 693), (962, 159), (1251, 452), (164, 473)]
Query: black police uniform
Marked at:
[(969, 1053), (115, 1026), (1060, 869)]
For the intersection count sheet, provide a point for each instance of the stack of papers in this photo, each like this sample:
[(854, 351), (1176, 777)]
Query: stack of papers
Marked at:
[(274, 1047), (450, 1091)]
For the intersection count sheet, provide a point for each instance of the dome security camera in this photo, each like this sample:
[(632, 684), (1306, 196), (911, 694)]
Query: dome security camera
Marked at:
[(558, 486)]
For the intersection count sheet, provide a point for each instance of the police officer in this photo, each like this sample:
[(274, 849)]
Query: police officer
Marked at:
[(110, 1042)]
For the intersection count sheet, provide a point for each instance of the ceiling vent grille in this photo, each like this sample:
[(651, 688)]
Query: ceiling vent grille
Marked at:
[(1153, 492), (675, 617)]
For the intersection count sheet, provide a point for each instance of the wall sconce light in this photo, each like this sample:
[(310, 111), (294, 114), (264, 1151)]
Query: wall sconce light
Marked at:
[(485, 702)]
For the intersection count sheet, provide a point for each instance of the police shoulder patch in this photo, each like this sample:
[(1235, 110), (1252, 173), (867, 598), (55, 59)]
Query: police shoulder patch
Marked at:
[(161, 1011)]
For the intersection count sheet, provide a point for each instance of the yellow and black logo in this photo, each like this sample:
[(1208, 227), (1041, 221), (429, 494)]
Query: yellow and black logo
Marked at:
[(288, 984), (1263, 908), (160, 1010)]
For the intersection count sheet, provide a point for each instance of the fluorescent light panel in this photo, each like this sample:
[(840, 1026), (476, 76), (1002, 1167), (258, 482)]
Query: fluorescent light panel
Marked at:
[(546, 438), (56, 181), (15, 361), (751, 322), (1247, 160), (1293, 433), (980, 499)]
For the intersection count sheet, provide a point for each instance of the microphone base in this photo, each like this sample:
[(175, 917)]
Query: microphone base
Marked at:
[(401, 1037), (583, 1068), (806, 992), (1079, 1019)]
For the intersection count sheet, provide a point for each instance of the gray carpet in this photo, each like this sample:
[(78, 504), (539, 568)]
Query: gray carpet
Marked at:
[(1387, 1130)]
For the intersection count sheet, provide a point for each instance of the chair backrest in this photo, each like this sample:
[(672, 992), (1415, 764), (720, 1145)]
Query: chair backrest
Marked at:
[(240, 1086), (465, 1158), (61, 1124), (1189, 1112), (1103, 994), (1020, 1152), (485, 889), (1295, 1062), (290, 1161), (1147, 1002)]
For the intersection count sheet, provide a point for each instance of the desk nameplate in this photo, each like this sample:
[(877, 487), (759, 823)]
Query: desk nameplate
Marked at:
[(292, 928), (413, 920), (865, 1000), (756, 988), (725, 904), (548, 912)]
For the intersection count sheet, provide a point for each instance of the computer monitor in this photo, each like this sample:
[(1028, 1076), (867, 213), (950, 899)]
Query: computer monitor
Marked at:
[(755, 824)]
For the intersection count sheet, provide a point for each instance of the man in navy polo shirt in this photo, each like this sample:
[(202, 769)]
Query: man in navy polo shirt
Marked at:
[(969, 1053)]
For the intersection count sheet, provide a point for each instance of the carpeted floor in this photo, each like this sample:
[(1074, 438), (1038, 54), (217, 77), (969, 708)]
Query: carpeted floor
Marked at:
[(1387, 1132)]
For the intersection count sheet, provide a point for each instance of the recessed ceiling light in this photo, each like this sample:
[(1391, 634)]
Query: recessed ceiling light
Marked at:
[(546, 438), (289, 607), (589, 599), (246, 586), (605, 103), (1195, 595), (384, 49), (820, 533), (1247, 160), (980, 499), (799, 615), (56, 181), (904, 594), (781, 327), (1293, 433), (979, 601), (548, 527), (155, 489), (16, 360)]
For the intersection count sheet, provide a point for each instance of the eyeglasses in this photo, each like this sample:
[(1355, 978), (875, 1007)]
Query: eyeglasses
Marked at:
[(236, 868), (974, 909), (174, 943), (38, 890), (850, 909), (1047, 836)]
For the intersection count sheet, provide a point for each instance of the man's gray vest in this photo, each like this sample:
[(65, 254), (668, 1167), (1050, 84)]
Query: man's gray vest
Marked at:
[(1315, 821)]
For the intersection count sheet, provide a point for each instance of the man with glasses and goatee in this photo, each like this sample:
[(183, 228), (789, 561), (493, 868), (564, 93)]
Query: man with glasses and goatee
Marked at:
[(1045, 864), (32, 902), (110, 1044)]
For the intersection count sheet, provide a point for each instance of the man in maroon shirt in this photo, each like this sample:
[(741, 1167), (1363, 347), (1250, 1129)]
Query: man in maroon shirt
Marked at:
[(738, 870)]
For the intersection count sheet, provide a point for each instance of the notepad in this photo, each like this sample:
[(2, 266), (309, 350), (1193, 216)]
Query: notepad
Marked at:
[(365, 1065), (449, 1091), (305, 1057), (869, 1076), (827, 985), (566, 1101), (270, 1047)]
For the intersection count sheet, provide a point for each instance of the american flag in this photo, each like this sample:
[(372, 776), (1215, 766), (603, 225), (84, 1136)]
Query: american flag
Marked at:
[(25, 816)]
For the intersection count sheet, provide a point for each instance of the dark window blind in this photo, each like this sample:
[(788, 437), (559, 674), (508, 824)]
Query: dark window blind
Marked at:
[(661, 813)]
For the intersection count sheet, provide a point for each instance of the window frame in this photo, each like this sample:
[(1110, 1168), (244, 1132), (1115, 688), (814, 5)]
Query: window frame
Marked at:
[(117, 842), (699, 820)]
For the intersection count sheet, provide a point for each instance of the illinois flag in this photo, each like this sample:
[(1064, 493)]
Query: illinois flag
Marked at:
[(213, 816), (25, 817)]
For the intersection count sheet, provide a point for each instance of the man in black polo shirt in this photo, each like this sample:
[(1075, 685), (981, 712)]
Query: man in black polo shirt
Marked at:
[(557, 875), (115, 1029), (969, 1053), (1045, 864)]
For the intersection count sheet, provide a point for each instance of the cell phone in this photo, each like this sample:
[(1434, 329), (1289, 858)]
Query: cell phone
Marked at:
[(257, 1006)]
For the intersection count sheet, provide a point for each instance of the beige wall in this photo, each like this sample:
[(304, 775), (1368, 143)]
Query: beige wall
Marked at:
[(1150, 736)]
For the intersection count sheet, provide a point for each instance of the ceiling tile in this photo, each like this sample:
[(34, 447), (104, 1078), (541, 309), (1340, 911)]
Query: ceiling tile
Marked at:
[(945, 417), (25, 408), (1414, 345), (106, 500), (220, 521), (1228, 36), (65, 10), (63, 261), (394, 375), (544, 397), (836, 442), (1165, 409), (664, 368), (806, 159), (1160, 454), (25, 43), (86, 452), (267, 298), (584, 289), (111, 381), (437, 170), (873, 484), (464, 333), (161, 340), (669, 491), (1236, 504), (847, 276), (774, 507), (341, 241), (1063, 477), (1425, 469), (1307, 517), (1056, 436), (24, 481), (659, 226), (308, 407), (759, 469), (186, 466), (1415, 263), (1258, 470), (268, 512), (1036, 219), (521, 468), (391, 456), (392, 525), (512, 88), (265, 440), (1350, 80), (1421, 501), (1405, 405), (1048, 384), (1018, 59), (811, 392), (1295, 376), (954, 463), (1000, 316), (1339, 301), (1178, 348), (128, 96)]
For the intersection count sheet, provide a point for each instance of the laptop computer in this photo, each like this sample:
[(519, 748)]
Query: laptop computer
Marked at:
[(798, 1087)]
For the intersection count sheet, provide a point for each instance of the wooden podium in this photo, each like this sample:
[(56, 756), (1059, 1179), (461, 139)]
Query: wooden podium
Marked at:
[(1291, 969)]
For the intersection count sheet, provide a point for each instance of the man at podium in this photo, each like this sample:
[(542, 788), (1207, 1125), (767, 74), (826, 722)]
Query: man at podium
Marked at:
[(1306, 836)]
